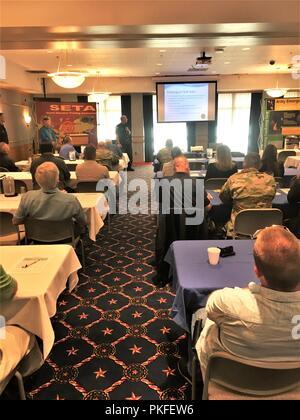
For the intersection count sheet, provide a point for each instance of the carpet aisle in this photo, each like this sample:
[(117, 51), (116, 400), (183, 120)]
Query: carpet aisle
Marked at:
[(114, 335)]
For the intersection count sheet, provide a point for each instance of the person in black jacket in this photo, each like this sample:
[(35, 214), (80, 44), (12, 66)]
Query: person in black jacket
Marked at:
[(5, 161), (173, 226), (294, 199), (3, 132), (47, 156), (224, 167), (270, 164)]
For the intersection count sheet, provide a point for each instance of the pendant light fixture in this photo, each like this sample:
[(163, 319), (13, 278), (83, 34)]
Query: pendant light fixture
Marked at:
[(67, 79)]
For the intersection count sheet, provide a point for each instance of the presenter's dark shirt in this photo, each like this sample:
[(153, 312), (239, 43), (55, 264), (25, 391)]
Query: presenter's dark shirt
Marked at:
[(123, 134), (6, 162), (214, 172), (3, 134), (64, 173)]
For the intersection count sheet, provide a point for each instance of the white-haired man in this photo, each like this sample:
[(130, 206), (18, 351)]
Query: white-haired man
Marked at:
[(49, 203)]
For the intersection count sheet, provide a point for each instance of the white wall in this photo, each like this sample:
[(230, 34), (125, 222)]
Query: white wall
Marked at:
[(14, 105)]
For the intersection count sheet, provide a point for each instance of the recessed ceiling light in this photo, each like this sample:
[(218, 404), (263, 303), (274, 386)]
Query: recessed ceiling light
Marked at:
[(158, 64), (69, 65), (157, 73), (214, 72), (246, 49), (227, 62), (162, 51), (49, 52)]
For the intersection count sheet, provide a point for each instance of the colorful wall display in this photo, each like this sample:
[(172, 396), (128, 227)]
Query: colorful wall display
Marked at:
[(68, 117)]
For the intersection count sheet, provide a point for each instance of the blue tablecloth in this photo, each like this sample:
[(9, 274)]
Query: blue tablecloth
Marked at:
[(194, 279), (221, 212)]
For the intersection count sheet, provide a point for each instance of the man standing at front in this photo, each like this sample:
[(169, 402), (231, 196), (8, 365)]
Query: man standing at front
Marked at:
[(46, 132), (123, 135), (3, 132)]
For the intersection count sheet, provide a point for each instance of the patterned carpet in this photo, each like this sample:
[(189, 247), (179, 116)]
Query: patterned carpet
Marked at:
[(114, 336)]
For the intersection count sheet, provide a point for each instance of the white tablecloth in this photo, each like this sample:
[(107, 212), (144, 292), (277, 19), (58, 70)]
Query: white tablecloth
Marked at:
[(24, 165), (94, 203), (39, 286), (97, 209), (292, 161), (27, 178)]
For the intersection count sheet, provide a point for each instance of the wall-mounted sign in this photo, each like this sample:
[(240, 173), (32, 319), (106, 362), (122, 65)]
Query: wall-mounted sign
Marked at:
[(68, 117)]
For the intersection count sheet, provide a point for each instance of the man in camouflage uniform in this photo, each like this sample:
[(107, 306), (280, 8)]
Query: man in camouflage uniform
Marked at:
[(249, 189), (164, 155)]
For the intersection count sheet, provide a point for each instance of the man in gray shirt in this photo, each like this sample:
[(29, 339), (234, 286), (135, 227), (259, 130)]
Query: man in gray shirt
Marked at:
[(49, 203)]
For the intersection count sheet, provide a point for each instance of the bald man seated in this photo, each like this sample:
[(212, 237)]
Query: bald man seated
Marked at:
[(49, 203), (256, 322)]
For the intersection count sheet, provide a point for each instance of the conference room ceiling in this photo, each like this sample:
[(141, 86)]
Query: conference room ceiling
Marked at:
[(146, 38), (139, 62)]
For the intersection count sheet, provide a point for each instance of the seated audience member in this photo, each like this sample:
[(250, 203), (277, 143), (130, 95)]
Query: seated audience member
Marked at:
[(294, 198), (168, 168), (269, 162), (115, 148), (224, 167), (173, 227), (67, 147), (92, 137), (16, 342), (90, 170), (5, 161), (164, 155), (249, 189), (106, 157), (49, 203), (47, 156), (255, 323)]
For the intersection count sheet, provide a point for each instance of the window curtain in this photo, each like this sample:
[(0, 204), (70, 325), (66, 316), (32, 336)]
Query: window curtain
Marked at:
[(254, 122), (212, 127), (191, 134), (126, 107), (148, 127)]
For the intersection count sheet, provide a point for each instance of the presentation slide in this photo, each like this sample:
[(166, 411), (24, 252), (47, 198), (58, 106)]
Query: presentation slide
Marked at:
[(186, 102)]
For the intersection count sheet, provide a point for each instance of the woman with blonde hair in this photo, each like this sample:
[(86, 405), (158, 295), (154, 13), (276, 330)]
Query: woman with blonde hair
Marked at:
[(223, 167)]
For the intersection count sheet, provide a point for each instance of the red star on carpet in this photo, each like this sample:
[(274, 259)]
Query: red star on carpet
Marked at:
[(165, 330), (112, 301), (138, 289), (100, 373), (91, 290), (135, 349), (137, 314), (62, 303), (117, 279), (169, 372), (162, 300), (72, 352), (133, 397), (120, 262), (139, 254), (107, 331), (138, 269), (83, 316), (97, 270), (59, 398)]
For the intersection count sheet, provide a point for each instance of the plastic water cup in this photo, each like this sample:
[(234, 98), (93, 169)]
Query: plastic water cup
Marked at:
[(213, 255), (209, 153), (22, 190)]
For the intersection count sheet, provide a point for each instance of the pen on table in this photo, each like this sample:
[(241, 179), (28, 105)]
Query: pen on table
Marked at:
[(33, 262)]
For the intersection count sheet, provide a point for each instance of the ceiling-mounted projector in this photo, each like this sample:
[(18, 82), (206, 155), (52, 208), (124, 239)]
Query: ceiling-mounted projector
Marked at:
[(202, 62)]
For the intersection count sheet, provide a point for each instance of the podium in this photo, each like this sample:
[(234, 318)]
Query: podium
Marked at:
[(80, 139)]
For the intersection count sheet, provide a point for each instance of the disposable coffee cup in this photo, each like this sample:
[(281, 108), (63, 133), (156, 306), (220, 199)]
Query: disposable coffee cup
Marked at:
[(213, 255)]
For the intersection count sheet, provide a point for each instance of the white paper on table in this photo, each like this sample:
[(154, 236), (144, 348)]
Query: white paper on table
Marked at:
[(36, 268)]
